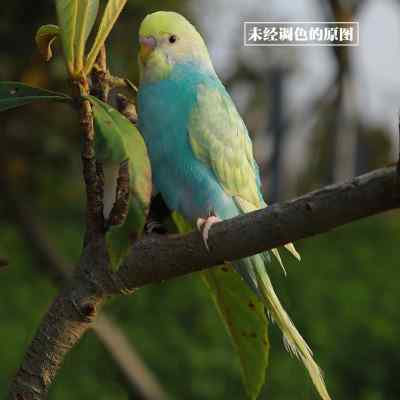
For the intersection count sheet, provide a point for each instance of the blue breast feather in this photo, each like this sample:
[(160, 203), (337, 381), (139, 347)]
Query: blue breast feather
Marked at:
[(187, 184)]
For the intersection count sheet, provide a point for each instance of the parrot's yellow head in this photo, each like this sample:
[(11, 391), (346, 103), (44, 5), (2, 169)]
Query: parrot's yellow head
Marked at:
[(167, 38)]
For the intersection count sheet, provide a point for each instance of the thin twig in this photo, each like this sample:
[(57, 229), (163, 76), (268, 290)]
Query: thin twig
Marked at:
[(94, 199), (133, 368), (119, 210), (121, 83), (100, 87), (127, 108), (103, 82)]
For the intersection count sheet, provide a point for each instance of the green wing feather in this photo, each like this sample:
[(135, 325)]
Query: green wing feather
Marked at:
[(219, 138)]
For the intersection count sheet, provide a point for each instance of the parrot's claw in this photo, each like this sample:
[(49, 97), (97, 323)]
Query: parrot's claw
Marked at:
[(204, 226)]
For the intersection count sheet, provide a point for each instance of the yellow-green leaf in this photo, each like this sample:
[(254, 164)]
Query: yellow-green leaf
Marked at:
[(87, 13), (44, 38), (117, 139), (111, 13), (67, 13), (244, 318)]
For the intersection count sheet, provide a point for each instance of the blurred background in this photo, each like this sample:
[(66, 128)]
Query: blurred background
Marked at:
[(317, 115)]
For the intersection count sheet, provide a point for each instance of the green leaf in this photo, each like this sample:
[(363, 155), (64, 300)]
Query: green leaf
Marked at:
[(244, 318), (44, 38), (246, 322), (16, 94), (111, 13), (117, 139), (67, 14), (87, 13)]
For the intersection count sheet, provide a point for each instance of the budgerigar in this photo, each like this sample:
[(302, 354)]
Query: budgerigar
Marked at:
[(200, 151)]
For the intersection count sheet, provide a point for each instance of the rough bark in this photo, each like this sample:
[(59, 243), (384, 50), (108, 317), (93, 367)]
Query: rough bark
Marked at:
[(68, 318), (92, 171), (70, 315), (158, 258)]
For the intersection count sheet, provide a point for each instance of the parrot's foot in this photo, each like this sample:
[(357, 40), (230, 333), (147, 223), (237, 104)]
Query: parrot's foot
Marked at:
[(204, 226)]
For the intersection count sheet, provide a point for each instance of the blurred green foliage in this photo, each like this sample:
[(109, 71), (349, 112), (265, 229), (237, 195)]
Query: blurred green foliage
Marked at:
[(343, 296)]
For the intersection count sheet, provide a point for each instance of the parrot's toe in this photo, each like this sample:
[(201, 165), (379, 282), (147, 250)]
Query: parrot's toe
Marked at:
[(199, 223), (204, 226)]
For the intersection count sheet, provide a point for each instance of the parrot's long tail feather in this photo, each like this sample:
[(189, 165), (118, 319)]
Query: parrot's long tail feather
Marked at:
[(254, 268)]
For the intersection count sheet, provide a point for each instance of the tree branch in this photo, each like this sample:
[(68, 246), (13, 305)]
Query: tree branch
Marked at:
[(132, 368), (92, 173), (156, 259), (120, 208), (127, 108), (68, 318)]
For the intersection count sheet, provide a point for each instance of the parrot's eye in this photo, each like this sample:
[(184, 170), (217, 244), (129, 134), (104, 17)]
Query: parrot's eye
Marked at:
[(172, 39)]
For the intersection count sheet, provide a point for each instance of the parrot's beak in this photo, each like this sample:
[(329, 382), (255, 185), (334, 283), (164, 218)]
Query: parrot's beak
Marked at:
[(147, 45)]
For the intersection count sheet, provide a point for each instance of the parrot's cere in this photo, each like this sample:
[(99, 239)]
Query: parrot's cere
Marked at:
[(201, 154)]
